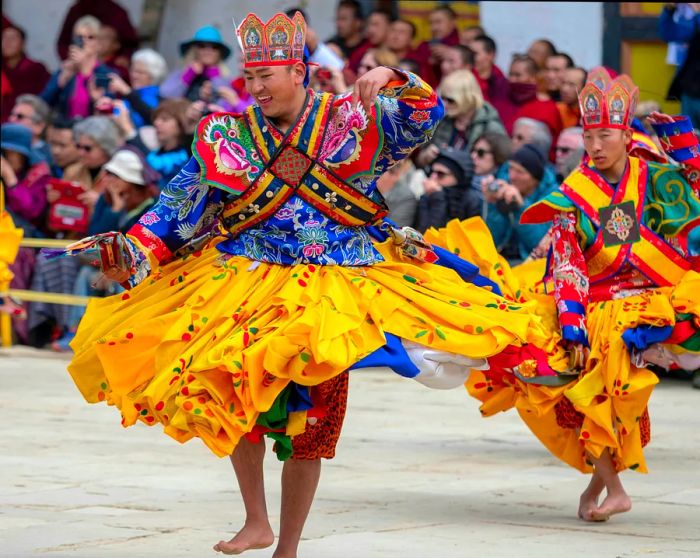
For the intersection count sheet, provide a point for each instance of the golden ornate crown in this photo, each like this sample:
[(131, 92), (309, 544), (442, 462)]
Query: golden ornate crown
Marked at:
[(278, 42), (607, 102)]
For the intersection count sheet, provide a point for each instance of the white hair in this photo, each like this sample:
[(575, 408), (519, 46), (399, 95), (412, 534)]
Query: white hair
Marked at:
[(87, 22), (541, 136), (155, 64), (576, 131), (102, 130)]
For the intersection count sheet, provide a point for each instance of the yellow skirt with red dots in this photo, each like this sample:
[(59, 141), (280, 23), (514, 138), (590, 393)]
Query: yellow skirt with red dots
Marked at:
[(209, 341), (605, 406)]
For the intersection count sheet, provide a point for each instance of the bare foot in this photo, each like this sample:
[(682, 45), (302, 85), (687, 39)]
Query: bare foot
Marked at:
[(586, 505), (613, 504), (251, 537)]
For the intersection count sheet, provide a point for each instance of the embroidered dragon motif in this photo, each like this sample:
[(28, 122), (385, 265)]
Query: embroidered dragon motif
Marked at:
[(343, 141)]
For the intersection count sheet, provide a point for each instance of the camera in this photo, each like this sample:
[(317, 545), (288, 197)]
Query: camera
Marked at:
[(495, 186), (78, 41), (102, 80)]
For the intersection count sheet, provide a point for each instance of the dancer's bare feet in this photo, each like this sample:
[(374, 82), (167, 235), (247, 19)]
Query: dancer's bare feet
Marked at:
[(253, 536), (614, 503), (587, 504)]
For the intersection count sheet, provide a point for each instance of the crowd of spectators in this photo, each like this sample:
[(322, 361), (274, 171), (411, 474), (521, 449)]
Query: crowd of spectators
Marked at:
[(87, 147)]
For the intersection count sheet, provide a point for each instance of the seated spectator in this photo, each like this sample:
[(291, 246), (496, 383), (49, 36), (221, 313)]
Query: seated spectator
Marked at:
[(456, 58), (33, 113), (106, 11), (24, 177), (68, 89), (443, 30), (468, 34), (528, 130), (22, 74), (571, 84), (97, 139), (409, 65), (348, 29), (400, 38), (375, 57), (524, 101), (569, 152), (467, 117), (64, 151), (110, 51), (554, 69), (169, 120), (492, 81), (24, 180), (204, 55), (126, 188), (448, 194), (395, 187), (539, 51), (490, 151), (319, 52), (524, 180), (148, 70), (328, 81)]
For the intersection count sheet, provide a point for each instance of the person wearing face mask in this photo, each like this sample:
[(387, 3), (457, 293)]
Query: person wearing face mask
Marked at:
[(204, 71), (523, 99)]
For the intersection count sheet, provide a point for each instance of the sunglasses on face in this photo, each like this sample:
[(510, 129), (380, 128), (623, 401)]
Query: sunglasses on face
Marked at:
[(481, 152), (84, 147), (440, 174), (20, 116), (448, 100), (207, 45), (563, 150)]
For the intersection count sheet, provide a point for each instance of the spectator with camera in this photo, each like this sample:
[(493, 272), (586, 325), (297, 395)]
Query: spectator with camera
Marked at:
[(147, 71), (32, 112), (22, 74), (448, 194), (524, 180), (490, 151), (68, 91), (204, 70)]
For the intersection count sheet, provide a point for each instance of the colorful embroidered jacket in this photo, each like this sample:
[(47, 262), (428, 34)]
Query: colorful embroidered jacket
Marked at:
[(611, 241), (306, 196)]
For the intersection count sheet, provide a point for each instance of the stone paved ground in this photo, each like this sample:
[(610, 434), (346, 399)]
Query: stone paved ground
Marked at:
[(418, 474)]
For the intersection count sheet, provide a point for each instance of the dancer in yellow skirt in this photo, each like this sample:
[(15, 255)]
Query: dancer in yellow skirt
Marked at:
[(623, 272), (266, 271)]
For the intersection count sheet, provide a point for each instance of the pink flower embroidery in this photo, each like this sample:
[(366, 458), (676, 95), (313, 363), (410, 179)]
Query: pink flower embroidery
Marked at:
[(313, 250), (149, 218)]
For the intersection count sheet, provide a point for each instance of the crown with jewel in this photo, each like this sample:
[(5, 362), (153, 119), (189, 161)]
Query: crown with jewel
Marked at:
[(279, 42), (607, 102)]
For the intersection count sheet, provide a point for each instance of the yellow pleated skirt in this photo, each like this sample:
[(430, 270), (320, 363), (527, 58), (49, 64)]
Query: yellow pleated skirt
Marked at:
[(208, 342), (605, 405)]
